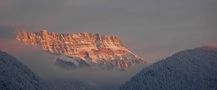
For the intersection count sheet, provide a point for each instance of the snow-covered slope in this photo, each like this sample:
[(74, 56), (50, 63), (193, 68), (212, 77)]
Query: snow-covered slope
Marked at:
[(194, 69), (15, 76)]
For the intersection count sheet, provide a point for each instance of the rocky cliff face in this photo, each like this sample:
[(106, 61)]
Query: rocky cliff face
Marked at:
[(84, 48)]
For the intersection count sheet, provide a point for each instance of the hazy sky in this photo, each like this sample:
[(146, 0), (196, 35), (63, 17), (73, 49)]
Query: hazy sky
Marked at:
[(151, 28)]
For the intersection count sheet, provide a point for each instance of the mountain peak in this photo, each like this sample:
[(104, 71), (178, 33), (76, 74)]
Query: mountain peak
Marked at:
[(84, 47)]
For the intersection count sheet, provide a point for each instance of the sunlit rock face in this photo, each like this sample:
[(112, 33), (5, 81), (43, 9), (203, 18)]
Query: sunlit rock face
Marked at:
[(84, 48)]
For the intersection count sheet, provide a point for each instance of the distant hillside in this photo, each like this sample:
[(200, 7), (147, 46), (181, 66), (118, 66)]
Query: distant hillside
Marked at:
[(67, 85), (15, 76), (194, 69)]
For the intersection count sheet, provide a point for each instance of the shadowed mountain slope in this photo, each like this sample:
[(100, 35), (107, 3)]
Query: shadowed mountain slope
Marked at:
[(194, 69)]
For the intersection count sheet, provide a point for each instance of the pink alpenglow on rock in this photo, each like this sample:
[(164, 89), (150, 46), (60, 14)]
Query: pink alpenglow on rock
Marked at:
[(84, 49)]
